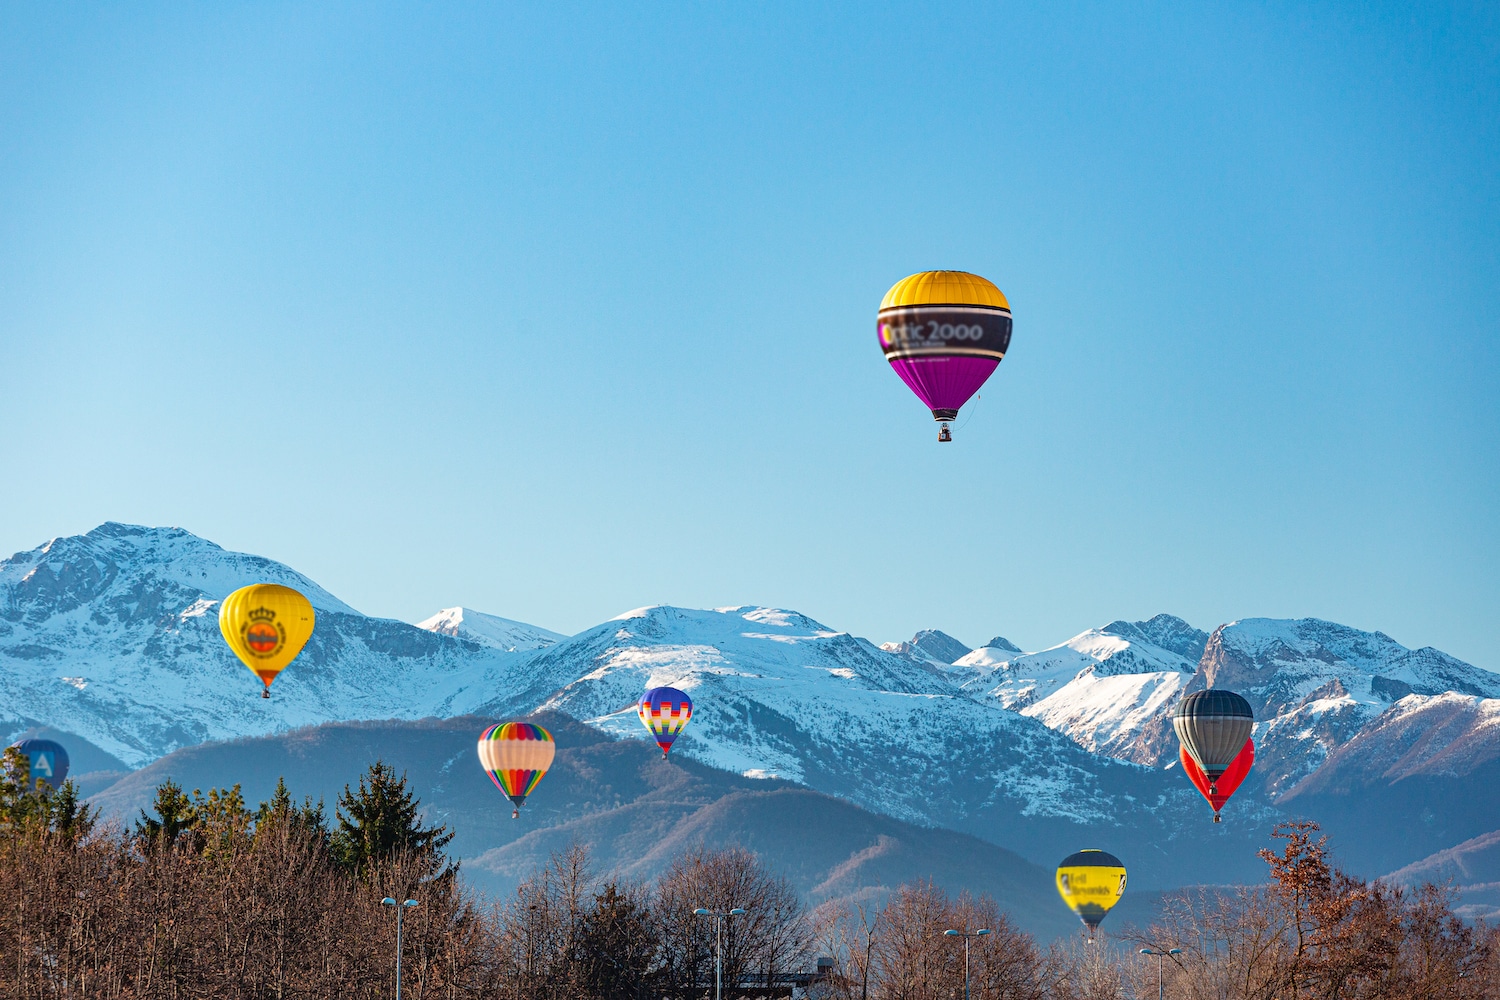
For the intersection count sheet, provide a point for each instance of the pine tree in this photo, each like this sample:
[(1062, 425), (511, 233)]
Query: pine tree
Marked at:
[(382, 822), (282, 813), (71, 819), (175, 816), (21, 802)]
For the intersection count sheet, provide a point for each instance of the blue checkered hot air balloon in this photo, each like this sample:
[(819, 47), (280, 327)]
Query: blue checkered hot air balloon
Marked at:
[(665, 711)]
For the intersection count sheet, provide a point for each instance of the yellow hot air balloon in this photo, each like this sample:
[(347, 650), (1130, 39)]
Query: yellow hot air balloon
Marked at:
[(266, 625), (1091, 882)]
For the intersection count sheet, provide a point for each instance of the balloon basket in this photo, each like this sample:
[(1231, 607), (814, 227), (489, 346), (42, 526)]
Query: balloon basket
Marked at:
[(944, 434), (1218, 818), (515, 813), (265, 693)]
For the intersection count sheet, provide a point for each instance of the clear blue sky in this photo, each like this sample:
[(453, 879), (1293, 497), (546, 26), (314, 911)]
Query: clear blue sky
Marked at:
[(558, 311)]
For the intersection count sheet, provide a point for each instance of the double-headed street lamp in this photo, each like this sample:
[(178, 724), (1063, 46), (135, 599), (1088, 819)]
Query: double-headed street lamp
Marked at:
[(966, 934), (1159, 956), (388, 901), (719, 917)]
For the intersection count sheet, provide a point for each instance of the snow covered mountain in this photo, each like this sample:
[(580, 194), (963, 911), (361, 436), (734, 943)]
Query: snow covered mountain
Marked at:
[(929, 646), (114, 636), (1314, 685), (777, 694), (490, 630), (1101, 687)]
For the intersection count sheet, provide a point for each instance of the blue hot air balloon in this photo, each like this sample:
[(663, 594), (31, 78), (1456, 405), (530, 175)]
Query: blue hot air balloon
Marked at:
[(49, 761)]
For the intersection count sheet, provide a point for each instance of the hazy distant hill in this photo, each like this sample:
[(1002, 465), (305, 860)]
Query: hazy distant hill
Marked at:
[(632, 808)]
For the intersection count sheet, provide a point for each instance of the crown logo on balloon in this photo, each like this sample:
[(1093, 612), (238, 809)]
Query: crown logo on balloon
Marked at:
[(261, 615)]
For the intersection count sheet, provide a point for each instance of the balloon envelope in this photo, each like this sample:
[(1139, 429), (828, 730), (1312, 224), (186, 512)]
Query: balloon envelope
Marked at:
[(516, 755), (1219, 792), (48, 760), (1091, 882), (266, 625), (1213, 726), (665, 711), (944, 332)]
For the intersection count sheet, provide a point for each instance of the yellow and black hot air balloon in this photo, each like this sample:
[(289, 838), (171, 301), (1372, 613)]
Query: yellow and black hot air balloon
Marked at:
[(266, 625), (1091, 882), (944, 332)]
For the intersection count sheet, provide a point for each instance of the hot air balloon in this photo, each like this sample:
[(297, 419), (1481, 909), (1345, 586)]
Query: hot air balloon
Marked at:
[(266, 625), (1091, 882), (516, 755), (1214, 726), (665, 712), (1218, 793), (48, 760), (944, 332)]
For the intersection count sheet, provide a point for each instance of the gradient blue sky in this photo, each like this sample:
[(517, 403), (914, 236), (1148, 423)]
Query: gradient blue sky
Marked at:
[(558, 311)]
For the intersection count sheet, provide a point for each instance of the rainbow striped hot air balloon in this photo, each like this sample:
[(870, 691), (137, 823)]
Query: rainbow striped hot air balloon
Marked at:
[(944, 332), (665, 712), (516, 755)]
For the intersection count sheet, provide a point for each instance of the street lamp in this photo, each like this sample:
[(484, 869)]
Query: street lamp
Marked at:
[(388, 901), (966, 934), (719, 917), (1159, 955)]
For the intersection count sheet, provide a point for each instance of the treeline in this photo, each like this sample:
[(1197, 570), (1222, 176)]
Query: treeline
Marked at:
[(203, 896), (1312, 932)]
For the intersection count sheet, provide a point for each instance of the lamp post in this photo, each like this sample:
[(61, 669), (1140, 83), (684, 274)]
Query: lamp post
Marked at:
[(719, 917), (1159, 955), (388, 901), (966, 934)]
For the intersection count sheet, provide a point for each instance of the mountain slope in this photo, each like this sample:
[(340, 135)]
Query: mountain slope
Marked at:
[(114, 635), (490, 630), (1100, 688), (633, 810), (1423, 772)]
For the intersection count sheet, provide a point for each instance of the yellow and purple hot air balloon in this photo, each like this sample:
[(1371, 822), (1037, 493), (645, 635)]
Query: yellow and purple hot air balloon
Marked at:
[(516, 755), (944, 332), (665, 711)]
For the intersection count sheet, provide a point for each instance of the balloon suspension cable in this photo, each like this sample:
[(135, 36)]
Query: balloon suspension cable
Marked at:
[(970, 414)]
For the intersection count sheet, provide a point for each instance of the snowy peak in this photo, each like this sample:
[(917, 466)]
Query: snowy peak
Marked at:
[(138, 566), (1166, 631), (115, 634), (929, 646), (1020, 680), (490, 630), (1278, 664), (1003, 644), (777, 694), (1101, 688)]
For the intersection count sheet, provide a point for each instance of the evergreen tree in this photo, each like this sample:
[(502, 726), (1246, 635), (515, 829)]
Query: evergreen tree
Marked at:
[(71, 819), (20, 801), (381, 822), (27, 804), (620, 947), (281, 811), (222, 821), (175, 817)]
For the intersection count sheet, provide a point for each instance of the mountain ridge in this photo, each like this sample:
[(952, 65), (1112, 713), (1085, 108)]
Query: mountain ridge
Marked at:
[(111, 635)]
